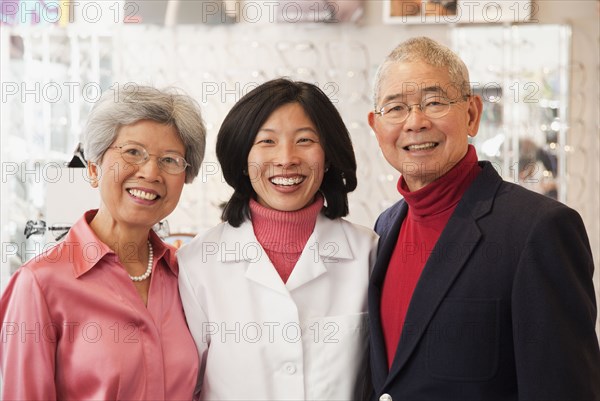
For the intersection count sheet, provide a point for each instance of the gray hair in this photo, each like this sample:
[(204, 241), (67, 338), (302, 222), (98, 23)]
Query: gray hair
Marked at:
[(130, 103), (430, 52)]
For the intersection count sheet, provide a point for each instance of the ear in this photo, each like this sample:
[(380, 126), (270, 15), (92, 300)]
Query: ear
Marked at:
[(375, 125), (93, 174), (474, 114), (371, 119)]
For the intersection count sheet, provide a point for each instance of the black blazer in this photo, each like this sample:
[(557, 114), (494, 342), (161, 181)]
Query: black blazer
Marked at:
[(504, 308)]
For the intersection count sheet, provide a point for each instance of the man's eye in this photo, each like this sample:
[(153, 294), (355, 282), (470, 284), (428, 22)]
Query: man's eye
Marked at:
[(435, 101), (397, 108)]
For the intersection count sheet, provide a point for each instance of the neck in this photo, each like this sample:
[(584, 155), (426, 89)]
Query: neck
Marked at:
[(126, 241), (444, 193)]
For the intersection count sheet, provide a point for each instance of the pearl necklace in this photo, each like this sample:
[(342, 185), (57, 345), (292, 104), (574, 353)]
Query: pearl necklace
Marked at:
[(149, 269)]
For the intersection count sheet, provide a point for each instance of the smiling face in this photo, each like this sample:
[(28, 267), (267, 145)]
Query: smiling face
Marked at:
[(286, 162), (138, 196), (422, 148)]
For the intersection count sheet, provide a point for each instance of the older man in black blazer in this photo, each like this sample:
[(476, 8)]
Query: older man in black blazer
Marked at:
[(482, 290)]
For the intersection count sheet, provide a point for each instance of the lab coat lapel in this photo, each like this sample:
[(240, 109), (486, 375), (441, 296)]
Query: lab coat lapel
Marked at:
[(327, 243), (239, 245)]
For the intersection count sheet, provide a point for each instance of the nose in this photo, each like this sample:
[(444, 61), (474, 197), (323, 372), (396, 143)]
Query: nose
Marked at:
[(286, 155), (417, 120), (149, 170)]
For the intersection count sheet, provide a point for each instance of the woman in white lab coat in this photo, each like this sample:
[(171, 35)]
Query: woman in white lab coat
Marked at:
[(275, 296)]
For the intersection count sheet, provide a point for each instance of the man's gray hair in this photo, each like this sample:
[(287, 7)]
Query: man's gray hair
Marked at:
[(130, 103), (426, 50)]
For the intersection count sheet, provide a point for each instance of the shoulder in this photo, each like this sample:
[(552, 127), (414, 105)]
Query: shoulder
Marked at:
[(388, 217), (51, 269), (529, 205), (351, 230), (357, 229), (53, 260), (196, 244)]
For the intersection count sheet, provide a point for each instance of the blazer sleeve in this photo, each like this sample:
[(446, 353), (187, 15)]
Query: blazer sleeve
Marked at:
[(554, 311), (29, 341)]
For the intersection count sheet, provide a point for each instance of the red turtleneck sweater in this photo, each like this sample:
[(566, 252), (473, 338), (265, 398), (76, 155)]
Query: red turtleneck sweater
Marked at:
[(429, 209), (283, 235)]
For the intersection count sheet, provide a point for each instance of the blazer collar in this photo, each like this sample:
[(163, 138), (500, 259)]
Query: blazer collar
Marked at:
[(439, 272), (387, 242)]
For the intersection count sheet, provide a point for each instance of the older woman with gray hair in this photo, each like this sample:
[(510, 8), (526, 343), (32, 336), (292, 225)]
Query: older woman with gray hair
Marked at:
[(98, 316)]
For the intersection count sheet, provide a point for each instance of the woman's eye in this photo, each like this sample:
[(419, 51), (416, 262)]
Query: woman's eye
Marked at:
[(133, 152), (306, 140), (169, 160), (266, 141)]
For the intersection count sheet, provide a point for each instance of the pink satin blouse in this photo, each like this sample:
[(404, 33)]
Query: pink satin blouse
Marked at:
[(75, 328)]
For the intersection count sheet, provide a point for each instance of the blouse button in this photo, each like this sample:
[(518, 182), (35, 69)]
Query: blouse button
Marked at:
[(290, 368), (385, 397)]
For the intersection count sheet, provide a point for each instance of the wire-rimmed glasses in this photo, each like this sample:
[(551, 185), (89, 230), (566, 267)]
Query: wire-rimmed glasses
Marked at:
[(398, 112), (133, 153)]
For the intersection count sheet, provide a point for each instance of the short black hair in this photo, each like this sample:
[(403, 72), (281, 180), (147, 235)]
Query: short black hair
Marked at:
[(239, 129)]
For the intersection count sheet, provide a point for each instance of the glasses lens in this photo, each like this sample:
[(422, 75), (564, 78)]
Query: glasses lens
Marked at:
[(134, 154), (435, 108), (172, 163), (395, 112)]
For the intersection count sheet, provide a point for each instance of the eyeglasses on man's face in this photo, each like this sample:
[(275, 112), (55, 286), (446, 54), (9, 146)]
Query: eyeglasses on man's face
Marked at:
[(432, 107), (132, 153)]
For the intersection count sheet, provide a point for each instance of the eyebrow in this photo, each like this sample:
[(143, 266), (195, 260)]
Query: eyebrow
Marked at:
[(297, 131), (426, 89), (143, 146)]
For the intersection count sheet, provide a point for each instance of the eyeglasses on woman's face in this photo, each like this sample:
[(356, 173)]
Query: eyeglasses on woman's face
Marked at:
[(171, 163)]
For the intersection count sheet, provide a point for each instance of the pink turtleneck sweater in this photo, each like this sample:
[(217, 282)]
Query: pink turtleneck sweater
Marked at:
[(429, 209), (283, 235)]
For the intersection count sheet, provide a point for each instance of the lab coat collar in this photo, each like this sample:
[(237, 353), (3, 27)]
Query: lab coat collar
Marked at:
[(328, 241), (327, 244)]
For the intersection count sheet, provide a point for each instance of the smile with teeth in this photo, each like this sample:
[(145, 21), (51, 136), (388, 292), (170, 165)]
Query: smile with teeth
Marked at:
[(142, 194), (421, 146), (287, 181)]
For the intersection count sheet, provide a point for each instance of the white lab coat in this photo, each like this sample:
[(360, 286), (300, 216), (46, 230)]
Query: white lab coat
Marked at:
[(262, 339)]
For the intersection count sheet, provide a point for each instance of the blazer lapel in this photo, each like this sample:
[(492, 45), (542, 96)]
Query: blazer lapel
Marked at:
[(450, 254), (387, 242)]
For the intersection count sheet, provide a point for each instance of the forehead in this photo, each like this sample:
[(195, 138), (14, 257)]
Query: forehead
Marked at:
[(152, 135), (289, 115), (414, 79)]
